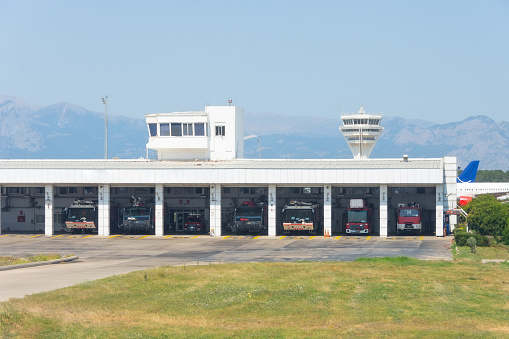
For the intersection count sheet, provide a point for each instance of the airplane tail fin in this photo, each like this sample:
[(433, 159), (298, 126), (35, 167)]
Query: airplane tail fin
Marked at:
[(469, 173)]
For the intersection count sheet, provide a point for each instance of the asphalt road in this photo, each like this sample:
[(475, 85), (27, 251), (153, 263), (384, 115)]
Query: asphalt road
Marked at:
[(100, 257)]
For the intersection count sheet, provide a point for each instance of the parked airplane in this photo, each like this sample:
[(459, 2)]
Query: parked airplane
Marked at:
[(467, 188)]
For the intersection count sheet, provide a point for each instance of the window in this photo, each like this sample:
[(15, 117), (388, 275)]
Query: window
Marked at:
[(73, 190), (39, 218), (152, 129), (89, 190), (13, 190), (226, 190), (122, 190), (199, 129), (187, 129), (164, 130), (39, 190), (176, 129), (244, 190), (220, 130)]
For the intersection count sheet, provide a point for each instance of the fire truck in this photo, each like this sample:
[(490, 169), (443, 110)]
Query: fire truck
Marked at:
[(409, 217), (194, 223), (250, 217), (80, 216), (302, 216), (359, 217), (137, 218)]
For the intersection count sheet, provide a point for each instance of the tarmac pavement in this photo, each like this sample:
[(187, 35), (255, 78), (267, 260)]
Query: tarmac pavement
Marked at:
[(101, 257)]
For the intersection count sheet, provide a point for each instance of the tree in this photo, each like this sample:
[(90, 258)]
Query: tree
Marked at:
[(487, 216)]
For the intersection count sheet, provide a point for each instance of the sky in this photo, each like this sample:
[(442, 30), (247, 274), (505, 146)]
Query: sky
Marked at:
[(440, 61)]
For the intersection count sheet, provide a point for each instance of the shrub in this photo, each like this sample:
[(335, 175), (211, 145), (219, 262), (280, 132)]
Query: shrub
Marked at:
[(459, 229), (461, 239), (471, 242)]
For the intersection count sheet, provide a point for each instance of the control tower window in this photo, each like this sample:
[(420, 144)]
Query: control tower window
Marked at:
[(220, 130), (152, 129), (164, 130), (187, 129), (176, 129), (199, 129)]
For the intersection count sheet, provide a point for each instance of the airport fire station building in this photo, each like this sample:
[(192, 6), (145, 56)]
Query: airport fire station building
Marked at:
[(200, 170)]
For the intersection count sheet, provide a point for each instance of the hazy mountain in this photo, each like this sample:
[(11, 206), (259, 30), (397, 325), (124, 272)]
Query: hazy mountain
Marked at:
[(66, 131)]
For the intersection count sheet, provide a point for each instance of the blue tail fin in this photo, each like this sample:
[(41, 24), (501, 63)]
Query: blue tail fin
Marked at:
[(469, 173)]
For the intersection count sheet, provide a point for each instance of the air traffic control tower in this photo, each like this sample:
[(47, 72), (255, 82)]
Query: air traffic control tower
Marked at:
[(361, 132)]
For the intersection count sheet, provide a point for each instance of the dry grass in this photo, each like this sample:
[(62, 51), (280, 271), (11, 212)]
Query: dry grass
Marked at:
[(11, 260), (397, 297)]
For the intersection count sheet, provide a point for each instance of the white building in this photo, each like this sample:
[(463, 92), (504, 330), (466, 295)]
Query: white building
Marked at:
[(214, 134), (206, 174)]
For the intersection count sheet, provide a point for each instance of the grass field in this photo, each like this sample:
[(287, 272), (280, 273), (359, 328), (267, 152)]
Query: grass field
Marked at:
[(10, 260), (386, 297)]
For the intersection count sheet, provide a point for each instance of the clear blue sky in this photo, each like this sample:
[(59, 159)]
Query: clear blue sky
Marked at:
[(435, 60)]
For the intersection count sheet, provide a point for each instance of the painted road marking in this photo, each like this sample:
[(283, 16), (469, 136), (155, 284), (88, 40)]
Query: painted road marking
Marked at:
[(144, 236), (6, 235), (196, 236), (87, 236), (168, 236), (284, 236), (311, 237), (257, 237), (421, 237), (338, 237), (35, 236), (114, 236), (57, 236), (368, 238), (226, 237)]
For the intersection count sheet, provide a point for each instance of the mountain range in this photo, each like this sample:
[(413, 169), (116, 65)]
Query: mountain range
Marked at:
[(67, 131)]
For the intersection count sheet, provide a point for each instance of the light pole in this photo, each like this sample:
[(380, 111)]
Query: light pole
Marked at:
[(105, 102), (259, 149)]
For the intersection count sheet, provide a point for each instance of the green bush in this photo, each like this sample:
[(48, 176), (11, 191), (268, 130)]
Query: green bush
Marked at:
[(459, 229), (471, 242), (461, 239)]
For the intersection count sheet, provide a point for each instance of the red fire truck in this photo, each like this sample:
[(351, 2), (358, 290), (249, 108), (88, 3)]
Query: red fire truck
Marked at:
[(409, 217), (359, 217)]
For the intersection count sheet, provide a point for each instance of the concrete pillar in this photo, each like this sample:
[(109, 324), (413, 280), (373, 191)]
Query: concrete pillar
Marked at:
[(215, 210), (327, 210), (272, 211), (1, 209), (384, 198), (48, 210), (450, 190), (439, 218), (104, 211), (159, 212)]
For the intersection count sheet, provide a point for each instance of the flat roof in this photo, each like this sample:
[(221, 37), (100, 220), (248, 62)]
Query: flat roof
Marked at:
[(417, 163)]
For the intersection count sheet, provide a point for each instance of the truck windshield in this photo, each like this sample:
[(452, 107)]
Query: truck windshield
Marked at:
[(77, 213), (408, 212), (193, 219), (291, 215), (358, 216), (241, 212), (137, 211)]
